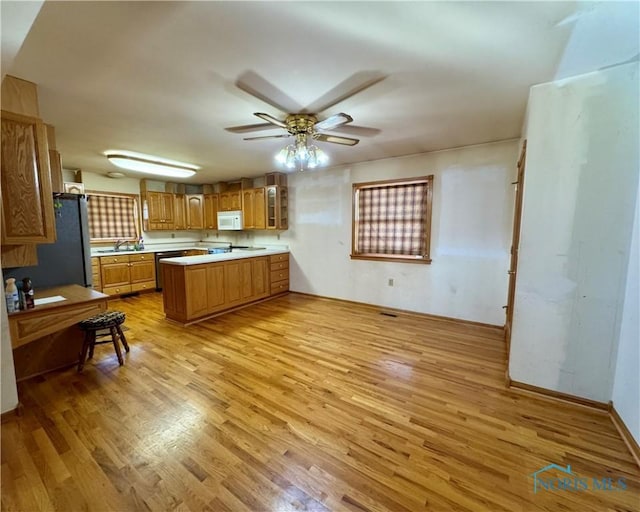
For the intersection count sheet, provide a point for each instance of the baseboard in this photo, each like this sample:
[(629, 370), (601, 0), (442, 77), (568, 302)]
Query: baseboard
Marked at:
[(9, 415), (405, 312), (557, 395), (625, 433)]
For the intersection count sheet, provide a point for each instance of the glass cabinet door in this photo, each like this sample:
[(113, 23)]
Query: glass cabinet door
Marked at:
[(271, 208)]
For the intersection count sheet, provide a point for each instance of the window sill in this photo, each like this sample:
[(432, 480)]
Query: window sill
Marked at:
[(395, 259)]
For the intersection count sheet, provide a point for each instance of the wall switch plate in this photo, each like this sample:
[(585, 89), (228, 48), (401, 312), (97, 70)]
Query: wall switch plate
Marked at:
[(390, 282)]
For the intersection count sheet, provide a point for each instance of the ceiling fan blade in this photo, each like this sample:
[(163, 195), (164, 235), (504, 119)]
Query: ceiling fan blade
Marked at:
[(356, 83), (346, 141), (333, 122), (362, 131), (271, 119), (283, 136), (251, 128), (258, 87)]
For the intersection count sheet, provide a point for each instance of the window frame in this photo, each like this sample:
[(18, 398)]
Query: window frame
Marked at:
[(426, 257), (136, 213)]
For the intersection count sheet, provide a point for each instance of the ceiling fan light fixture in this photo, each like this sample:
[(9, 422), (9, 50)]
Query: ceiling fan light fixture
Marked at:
[(150, 164), (301, 154)]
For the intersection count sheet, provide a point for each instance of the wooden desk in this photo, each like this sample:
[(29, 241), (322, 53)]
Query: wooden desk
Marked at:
[(47, 337)]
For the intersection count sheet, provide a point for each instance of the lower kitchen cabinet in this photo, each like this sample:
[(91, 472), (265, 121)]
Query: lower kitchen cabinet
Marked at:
[(127, 273), (96, 277), (194, 292), (279, 268)]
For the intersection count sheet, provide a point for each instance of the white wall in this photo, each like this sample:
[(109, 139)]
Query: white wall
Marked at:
[(8, 392), (471, 234), (579, 199), (626, 386)]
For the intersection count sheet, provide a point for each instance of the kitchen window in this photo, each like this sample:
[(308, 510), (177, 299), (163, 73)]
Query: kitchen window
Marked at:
[(392, 220), (113, 217)]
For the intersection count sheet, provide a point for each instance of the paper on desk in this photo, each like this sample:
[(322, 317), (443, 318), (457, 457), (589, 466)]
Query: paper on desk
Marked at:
[(48, 300)]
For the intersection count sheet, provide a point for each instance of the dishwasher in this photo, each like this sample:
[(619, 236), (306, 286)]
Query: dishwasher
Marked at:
[(159, 256)]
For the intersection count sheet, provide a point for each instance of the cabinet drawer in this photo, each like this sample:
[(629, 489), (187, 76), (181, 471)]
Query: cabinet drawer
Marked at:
[(277, 258), (147, 285), (106, 260), (279, 287), (141, 257), (282, 265), (279, 275), (117, 290), (95, 262)]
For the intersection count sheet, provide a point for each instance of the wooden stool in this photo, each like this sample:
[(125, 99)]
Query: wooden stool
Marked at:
[(108, 320)]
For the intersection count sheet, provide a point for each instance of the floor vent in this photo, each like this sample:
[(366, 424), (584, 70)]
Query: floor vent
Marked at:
[(385, 313)]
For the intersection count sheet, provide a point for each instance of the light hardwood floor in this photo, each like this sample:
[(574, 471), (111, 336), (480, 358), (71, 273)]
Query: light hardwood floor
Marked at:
[(301, 403)]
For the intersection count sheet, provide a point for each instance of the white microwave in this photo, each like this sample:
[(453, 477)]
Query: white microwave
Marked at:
[(230, 221)]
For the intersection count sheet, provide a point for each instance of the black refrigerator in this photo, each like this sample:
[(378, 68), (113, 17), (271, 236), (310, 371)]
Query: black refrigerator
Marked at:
[(68, 260)]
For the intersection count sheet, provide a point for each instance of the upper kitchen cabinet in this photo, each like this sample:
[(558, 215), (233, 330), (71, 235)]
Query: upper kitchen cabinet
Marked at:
[(230, 201), (253, 208), (160, 211), (180, 217), (277, 207), (195, 211), (211, 211), (27, 200)]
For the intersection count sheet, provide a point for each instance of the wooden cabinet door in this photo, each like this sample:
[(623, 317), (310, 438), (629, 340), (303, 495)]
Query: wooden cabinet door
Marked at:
[(154, 207), (196, 292), (225, 202), (259, 209), (283, 208), (246, 281), (195, 207), (141, 271), (232, 283), (115, 274), (215, 287), (168, 210), (180, 216), (27, 201), (260, 277), (248, 220), (235, 200), (211, 211)]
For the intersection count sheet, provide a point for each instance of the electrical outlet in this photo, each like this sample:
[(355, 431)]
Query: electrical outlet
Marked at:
[(278, 236), (173, 235), (390, 282)]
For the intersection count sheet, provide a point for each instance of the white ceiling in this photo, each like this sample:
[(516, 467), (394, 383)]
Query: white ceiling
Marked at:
[(159, 77)]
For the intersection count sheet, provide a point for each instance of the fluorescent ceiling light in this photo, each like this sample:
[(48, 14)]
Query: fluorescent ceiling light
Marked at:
[(150, 164)]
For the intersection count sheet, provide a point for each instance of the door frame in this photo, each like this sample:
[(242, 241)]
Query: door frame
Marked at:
[(515, 244)]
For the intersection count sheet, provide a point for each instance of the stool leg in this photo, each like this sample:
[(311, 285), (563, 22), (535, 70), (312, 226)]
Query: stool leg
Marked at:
[(122, 338), (85, 347), (114, 338), (92, 345)]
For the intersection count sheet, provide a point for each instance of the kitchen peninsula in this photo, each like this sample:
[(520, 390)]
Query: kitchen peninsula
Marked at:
[(199, 287)]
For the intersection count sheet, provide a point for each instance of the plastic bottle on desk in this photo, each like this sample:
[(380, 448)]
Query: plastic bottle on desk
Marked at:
[(11, 295), (27, 289)]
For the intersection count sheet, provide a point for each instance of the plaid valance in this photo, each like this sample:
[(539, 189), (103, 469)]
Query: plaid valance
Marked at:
[(391, 219), (112, 217)]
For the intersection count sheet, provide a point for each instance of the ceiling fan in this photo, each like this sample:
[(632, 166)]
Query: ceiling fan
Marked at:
[(308, 126), (304, 123)]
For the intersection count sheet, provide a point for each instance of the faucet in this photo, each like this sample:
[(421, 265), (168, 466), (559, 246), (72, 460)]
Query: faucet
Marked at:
[(116, 246)]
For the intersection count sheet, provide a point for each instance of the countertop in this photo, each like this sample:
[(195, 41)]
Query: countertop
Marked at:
[(237, 254), (74, 294), (150, 249)]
